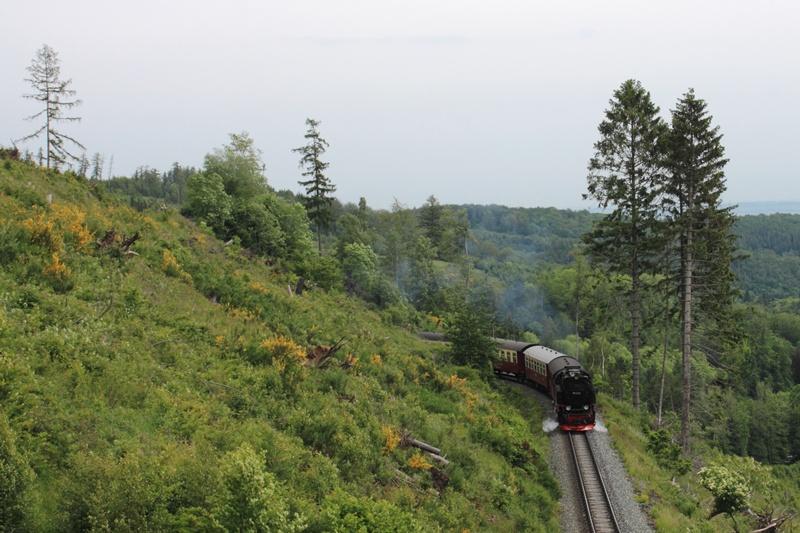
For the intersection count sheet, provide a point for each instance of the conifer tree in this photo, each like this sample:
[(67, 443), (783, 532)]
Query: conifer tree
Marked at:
[(97, 166), (468, 332), (319, 188), (430, 220), (362, 210), (55, 95), (699, 227), (623, 176)]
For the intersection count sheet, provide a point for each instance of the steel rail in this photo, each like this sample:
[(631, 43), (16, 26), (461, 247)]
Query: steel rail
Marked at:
[(593, 489)]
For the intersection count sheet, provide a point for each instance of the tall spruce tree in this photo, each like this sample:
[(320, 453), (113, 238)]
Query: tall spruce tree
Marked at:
[(623, 175), (430, 220), (699, 228), (317, 198), (56, 96)]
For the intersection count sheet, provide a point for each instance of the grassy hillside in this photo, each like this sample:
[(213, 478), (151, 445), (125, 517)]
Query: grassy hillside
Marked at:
[(677, 501), (169, 389)]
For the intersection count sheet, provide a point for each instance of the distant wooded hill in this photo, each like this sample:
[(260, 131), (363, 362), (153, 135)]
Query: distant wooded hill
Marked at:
[(767, 208), (535, 235)]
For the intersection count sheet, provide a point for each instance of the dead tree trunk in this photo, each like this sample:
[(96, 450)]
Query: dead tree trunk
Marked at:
[(687, 333), (663, 372)]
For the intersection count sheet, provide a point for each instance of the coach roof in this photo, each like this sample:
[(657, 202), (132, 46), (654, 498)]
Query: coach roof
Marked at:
[(543, 353), (506, 344)]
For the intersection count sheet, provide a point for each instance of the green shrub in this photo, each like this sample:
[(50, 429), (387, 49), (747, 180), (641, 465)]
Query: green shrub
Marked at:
[(208, 201), (15, 476), (322, 270), (343, 513), (252, 499), (258, 228), (667, 453), (730, 489)]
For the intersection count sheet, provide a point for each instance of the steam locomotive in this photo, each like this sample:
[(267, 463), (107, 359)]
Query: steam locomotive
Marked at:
[(561, 376)]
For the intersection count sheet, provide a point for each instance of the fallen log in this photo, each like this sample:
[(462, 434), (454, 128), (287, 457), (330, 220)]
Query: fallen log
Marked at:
[(410, 441), (439, 459), (401, 476), (431, 336)]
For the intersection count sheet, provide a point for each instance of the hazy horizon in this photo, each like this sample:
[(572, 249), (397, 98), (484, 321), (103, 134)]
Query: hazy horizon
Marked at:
[(469, 102)]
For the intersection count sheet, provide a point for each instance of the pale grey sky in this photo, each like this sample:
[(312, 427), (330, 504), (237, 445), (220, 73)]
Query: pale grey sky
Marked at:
[(475, 102)]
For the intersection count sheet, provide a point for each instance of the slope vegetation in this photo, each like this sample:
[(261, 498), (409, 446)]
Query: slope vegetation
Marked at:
[(165, 385)]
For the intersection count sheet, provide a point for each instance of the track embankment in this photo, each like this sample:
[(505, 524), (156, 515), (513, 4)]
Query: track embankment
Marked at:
[(574, 517)]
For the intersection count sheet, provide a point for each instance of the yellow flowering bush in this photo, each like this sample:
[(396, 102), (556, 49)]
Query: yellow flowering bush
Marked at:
[(391, 438), (171, 267), (258, 287), (244, 314), (460, 384), (73, 220), (49, 227), (418, 462), (284, 351), (288, 358), (43, 231), (455, 382), (56, 269)]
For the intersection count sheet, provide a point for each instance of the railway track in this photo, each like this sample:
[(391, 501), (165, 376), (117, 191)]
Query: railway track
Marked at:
[(595, 497)]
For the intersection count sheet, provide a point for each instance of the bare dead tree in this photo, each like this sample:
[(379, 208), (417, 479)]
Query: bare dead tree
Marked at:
[(56, 96)]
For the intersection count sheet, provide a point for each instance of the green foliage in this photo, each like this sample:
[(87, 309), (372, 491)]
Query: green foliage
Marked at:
[(729, 488), (178, 397), (668, 454), (362, 277), (360, 267), (251, 498), (468, 333), (294, 226), (15, 475), (208, 201), (258, 229), (323, 270), (787, 325), (623, 174), (319, 187), (231, 197), (149, 188), (430, 220), (343, 513), (239, 165)]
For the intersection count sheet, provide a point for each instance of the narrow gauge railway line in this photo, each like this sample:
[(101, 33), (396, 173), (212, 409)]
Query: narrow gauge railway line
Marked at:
[(598, 505)]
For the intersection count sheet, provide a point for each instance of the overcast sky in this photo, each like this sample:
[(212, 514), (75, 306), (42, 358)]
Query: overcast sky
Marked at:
[(473, 101)]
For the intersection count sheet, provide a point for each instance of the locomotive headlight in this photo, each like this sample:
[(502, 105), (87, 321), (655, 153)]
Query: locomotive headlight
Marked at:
[(569, 408), (585, 407)]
